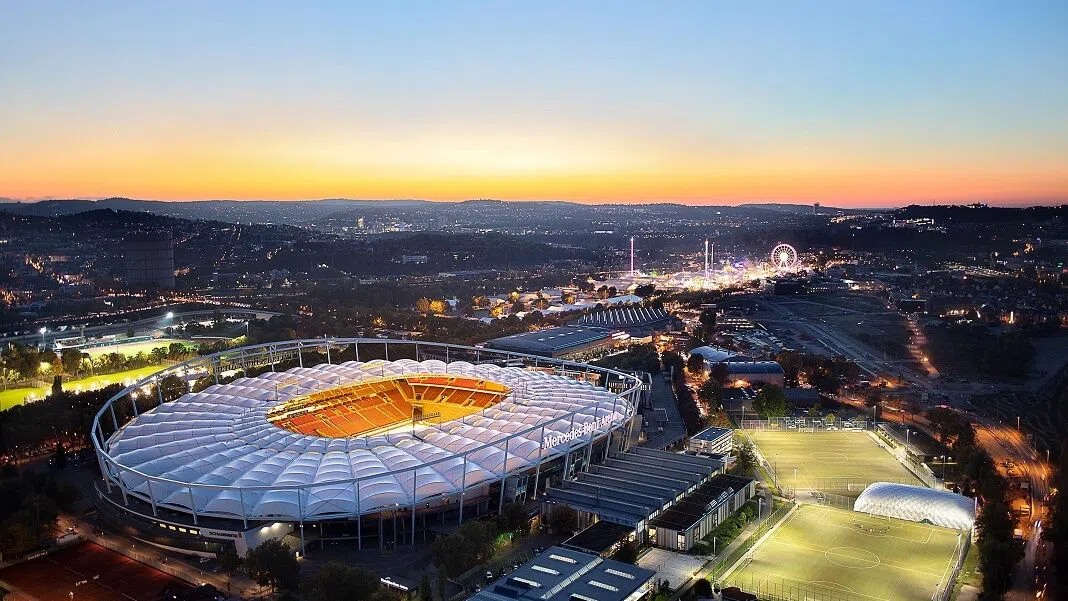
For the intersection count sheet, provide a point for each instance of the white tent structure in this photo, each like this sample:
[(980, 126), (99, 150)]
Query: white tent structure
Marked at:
[(917, 504), (215, 453)]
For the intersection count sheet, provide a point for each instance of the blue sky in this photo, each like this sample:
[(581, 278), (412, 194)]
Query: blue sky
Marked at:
[(850, 102)]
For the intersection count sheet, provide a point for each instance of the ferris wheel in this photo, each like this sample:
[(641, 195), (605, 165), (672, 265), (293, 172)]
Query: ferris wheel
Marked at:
[(784, 257)]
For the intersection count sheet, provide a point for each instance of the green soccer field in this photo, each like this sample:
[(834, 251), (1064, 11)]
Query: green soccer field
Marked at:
[(826, 554), (843, 462), (17, 396)]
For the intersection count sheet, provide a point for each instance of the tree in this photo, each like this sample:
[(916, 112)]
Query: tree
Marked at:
[(563, 519), (229, 561), (513, 518), (829, 418), (644, 290), (695, 363), (172, 387), (339, 582), (627, 552), (442, 582), (423, 305), (71, 359), (708, 320), (747, 461), (57, 385), (437, 306), (673, 363), (272, 564), (59, 456), (711, 392), (1057, 525), (425, 592), (479, 301), (770, 402), (702, 589), (873, 397), (719, 373)]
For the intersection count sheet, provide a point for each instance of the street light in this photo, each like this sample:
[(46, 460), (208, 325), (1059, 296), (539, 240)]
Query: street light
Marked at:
[(943, 469)]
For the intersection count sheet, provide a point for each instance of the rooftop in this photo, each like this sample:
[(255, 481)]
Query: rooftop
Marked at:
[(754, 367), (697, 504), (712, 433), (562, 573), (551, 340)]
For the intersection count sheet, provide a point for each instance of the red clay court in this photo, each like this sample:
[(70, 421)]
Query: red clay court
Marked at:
[(53, 577)]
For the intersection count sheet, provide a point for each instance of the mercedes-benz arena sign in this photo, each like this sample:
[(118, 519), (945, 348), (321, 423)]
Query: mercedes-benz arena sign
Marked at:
[(337, 440)]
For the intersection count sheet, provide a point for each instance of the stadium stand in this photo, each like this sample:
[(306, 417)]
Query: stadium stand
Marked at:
[(373, 405)]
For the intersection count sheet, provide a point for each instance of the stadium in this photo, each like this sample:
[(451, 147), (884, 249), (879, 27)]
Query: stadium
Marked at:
[(335, 436)]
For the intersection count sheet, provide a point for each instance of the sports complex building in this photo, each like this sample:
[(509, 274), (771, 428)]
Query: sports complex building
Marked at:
[(336, 440)]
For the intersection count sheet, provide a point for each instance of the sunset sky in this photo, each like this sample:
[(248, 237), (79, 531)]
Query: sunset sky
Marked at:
[(849, 103)]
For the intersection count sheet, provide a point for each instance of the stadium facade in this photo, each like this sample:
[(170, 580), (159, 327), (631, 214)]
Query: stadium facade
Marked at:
[(336, 440)]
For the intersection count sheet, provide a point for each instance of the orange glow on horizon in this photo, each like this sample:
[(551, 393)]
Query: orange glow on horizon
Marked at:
[(449, 167)]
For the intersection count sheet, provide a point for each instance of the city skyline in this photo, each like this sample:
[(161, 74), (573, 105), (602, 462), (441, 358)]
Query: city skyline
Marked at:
[(864, 106)]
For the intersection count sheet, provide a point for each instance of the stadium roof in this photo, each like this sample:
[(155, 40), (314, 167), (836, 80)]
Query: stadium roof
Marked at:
[(220, 441), (551, 341), (567, 574), (917, 504)]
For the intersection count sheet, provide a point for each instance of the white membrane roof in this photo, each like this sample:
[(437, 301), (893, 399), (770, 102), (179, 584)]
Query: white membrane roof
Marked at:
[(220, 436)]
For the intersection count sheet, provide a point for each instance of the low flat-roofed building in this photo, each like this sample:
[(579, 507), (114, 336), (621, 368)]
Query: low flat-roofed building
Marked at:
[(745, 373), (712, 441), (686, 522), (631, 488), (602, 538), (570, 575), (560, 342)]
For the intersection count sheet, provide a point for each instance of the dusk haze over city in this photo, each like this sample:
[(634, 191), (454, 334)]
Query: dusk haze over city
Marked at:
[(534, 301)]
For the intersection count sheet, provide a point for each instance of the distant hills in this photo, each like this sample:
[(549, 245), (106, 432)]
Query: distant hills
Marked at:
[(308, 211)]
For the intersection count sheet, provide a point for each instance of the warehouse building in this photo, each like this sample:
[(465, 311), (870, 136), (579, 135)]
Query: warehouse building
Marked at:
[(564, 342), (681, 526), (632, 488), (571, 575), (747, 373), (712, 441)]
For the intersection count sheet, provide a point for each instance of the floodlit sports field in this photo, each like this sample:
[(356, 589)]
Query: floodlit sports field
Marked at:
[(843, 462), (826, 554)]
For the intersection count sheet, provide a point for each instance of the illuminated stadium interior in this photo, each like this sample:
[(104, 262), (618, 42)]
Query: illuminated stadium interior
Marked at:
[(373, 406)]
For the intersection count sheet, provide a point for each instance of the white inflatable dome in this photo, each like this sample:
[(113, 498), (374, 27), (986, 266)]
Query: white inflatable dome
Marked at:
[(917, 504)]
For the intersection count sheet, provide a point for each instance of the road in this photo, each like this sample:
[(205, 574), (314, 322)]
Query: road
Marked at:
[(663, 397)]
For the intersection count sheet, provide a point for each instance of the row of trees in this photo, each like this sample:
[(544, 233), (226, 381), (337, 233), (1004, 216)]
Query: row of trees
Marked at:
[(998, 550), (21, 362), (29, 506)]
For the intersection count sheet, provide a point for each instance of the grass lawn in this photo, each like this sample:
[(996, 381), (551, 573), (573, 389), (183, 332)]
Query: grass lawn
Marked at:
[(834, 555), (16, 396), (843, 462)]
